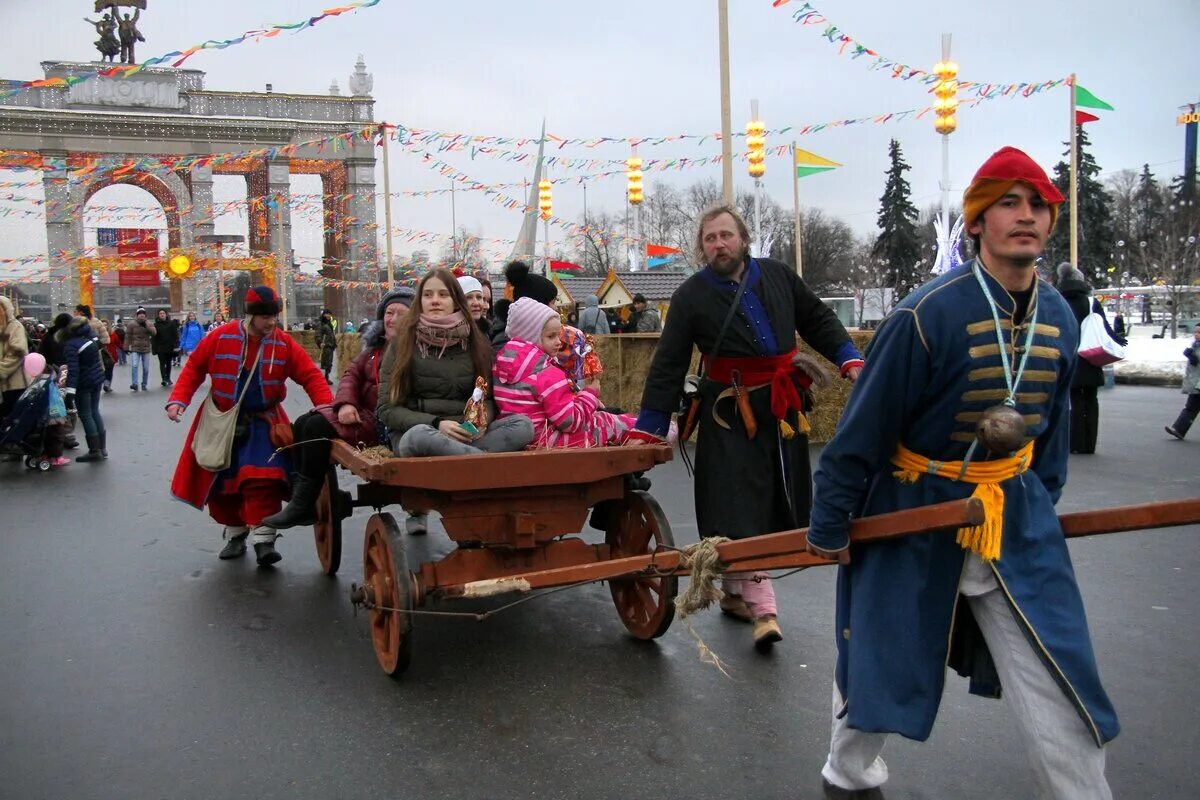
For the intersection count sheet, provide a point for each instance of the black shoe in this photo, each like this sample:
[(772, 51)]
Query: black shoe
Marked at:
[(234, 548), (838, 793), (108, 390), (133, 387), (70, 443), (1172, 430), (266, 554), (104, 444), (301, 510), (144, 389), (162, 383)]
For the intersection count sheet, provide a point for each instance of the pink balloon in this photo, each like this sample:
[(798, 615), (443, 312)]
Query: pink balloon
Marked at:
[(35, 364)]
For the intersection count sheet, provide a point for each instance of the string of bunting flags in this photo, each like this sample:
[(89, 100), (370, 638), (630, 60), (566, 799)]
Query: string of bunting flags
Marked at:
[(177, 57), (807, 15)]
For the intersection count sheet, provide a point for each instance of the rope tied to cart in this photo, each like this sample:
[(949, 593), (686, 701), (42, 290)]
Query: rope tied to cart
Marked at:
[(704, 561)]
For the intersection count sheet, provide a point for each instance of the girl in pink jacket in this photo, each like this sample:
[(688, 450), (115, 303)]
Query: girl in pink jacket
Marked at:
[(528, 382)]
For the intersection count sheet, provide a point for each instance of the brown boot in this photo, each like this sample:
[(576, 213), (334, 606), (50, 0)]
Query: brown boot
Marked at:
[(735, 606), (766, 632)]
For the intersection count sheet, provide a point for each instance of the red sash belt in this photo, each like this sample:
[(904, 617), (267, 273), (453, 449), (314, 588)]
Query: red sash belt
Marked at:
[(777, 371)]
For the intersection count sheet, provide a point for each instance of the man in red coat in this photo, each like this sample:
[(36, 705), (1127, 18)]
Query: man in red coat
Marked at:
[(255, 484)]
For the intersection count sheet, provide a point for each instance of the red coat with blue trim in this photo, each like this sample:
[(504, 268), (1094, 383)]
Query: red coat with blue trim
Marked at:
[(220, 357)]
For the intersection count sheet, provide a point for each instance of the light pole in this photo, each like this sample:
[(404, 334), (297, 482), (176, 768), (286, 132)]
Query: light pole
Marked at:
[(945, 122), (756, 143), (726, 114), (635, 196)]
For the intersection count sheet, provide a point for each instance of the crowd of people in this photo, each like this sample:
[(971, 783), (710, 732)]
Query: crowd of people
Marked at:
[(970, 387)]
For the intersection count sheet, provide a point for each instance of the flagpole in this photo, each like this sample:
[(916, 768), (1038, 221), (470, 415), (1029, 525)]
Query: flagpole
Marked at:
[(796, 198), (387, 206), (757, 192), (945, 186), (726, 113), (1074, 191)]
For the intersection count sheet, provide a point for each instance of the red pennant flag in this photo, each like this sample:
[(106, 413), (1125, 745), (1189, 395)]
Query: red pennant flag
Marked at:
[(660, 250), (564, 266), (1083, 117)]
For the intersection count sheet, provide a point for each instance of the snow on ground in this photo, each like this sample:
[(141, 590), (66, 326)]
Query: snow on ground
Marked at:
[(1150, 360)]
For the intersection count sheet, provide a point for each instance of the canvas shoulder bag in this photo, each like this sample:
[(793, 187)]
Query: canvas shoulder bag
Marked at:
[(213, 442)]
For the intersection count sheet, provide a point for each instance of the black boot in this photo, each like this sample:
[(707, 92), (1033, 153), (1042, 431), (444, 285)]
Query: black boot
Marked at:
[(104, 444), (301, 509), (266, 554), (1182, 423), (93, 453)]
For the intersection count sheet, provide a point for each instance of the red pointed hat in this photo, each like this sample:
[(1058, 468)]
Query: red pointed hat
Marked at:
[(1007, 166)]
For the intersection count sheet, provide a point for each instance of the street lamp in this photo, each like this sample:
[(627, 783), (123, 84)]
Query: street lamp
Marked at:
[(945, 122), (633, 191), (756, 146)]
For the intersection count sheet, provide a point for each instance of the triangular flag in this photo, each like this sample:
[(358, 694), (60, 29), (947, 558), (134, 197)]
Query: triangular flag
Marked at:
[(804, 172), (1083, 117), (1088, 100), (806, 159), (564, 266), (651, 263), (660, 250)]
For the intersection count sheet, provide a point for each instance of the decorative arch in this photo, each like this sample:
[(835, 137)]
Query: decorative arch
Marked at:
[(169, 190)]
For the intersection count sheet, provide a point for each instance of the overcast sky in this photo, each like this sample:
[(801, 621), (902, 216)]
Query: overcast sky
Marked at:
[(625, 68)]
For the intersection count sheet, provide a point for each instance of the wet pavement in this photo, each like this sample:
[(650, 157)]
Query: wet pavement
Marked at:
[(134, 664)]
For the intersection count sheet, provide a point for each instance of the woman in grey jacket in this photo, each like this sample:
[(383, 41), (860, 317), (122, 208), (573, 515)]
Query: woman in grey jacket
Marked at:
[(428, 374)]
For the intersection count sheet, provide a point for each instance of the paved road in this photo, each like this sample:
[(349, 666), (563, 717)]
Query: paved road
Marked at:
[(134, 664)]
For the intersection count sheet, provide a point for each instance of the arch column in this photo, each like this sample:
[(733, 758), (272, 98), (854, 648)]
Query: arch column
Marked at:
[(64, 228)]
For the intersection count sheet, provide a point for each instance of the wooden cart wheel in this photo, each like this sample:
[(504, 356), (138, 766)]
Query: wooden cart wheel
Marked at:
[(646, 605), (327, 530), (388, 583)]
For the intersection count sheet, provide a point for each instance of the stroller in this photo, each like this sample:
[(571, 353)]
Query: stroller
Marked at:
[(24, 431)]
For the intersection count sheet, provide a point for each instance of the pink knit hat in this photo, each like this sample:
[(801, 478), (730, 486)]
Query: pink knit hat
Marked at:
[(526, 318)]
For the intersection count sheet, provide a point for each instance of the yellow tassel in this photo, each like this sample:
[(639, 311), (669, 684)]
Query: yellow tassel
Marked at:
[(802, 422), (785, 430), (906, 476), (984, 540)]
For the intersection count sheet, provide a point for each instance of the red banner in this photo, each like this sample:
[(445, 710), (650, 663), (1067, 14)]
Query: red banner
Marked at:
[(564, 266), (139, 277)]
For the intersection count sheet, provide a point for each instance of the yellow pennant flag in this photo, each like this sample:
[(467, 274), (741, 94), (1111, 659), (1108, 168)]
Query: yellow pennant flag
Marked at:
[(806, 159)]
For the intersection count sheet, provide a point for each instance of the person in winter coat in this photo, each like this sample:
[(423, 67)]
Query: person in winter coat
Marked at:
[(1085, 385), (643, 319), (85, 381), (351, 416), (593, 320), (100, 331), (251, 359), (116, 341), (139, 338), (327, 341), (428, 374), (14, 346), (51, 346), (1191, 387), (520, 282), (165, 344), (530, 383), (190, 334), (473, 290)]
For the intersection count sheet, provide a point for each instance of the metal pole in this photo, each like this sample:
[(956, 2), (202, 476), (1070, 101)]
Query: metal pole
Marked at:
[(726, 114), (221, 284), (639, 245), (796, 199), (546, 266), (453, 223), (757, 192), (280, 262), (585, 205), (945, 182), (387, 206), (1074, 198)]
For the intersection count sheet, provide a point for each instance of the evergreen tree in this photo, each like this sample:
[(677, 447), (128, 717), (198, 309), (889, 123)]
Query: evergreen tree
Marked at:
[(1096, 240), (898, 246), (1149, 208)]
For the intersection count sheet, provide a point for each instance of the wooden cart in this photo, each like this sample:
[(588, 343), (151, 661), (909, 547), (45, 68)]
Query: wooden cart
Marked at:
[(511, 514)]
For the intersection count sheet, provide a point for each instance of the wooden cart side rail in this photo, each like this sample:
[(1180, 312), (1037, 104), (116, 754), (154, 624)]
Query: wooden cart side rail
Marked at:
[(502, 470)]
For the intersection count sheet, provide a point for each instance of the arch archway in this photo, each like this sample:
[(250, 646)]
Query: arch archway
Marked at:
[(171, 193)]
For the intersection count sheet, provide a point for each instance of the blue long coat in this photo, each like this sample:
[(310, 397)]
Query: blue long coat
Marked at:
[(932, 368)]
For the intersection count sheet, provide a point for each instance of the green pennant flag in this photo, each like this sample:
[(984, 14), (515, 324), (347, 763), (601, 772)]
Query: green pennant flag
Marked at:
[(804, 172), (1086, 99)]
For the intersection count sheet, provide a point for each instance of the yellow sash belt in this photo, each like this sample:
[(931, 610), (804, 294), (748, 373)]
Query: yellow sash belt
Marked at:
[(984, 540)]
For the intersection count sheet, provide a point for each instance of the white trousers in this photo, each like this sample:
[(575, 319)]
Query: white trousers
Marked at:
[(1067, 764)]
